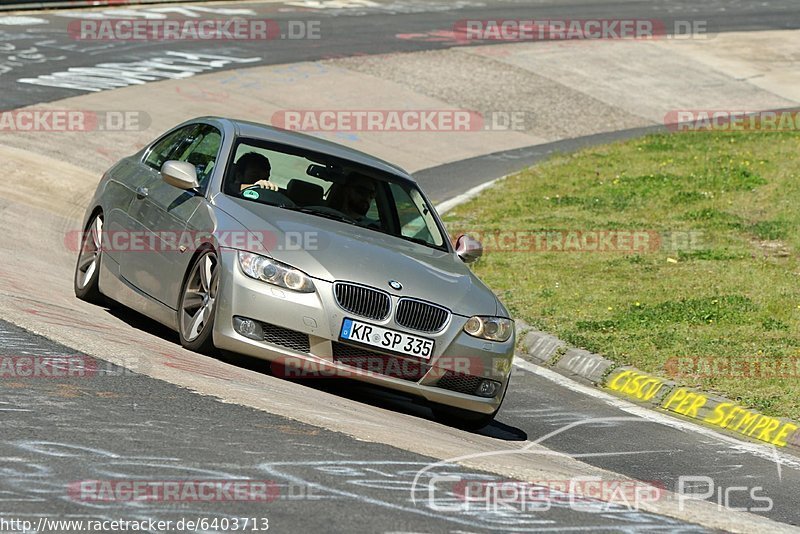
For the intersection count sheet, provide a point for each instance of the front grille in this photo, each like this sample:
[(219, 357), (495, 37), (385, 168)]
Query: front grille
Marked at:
[(385, 364), (419, 315), (459, 382), (363, 301), (277, 335)]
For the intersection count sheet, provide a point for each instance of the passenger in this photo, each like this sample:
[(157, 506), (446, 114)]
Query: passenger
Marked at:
[(355, 197)]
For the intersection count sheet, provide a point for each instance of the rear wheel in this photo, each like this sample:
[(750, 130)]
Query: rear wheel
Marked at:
[(87, 269), (197, 308)]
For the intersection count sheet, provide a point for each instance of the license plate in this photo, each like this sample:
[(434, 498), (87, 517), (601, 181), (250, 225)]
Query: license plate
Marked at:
[(386, 339)]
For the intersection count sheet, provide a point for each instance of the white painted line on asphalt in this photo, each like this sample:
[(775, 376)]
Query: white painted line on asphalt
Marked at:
[(763, 451), (447, 205)]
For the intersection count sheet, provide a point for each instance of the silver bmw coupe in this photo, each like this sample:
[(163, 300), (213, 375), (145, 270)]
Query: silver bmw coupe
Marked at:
[(324, 260)]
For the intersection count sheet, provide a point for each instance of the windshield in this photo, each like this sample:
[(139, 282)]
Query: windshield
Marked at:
[(328, 187)]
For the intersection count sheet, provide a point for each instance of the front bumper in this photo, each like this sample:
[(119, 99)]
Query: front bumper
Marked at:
[(458, 360)]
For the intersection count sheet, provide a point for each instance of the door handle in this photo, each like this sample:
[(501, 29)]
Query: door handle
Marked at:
[(141, 192)]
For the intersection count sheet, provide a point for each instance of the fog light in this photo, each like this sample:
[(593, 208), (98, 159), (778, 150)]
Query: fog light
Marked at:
[(488, 388), (248, 328)]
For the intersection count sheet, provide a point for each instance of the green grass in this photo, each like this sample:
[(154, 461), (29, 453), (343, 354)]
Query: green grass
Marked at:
[(724, 282)]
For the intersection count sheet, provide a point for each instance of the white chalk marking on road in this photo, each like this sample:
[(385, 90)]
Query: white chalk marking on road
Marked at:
[(154, 13), (21, 21), (104, 76), (762, 451)]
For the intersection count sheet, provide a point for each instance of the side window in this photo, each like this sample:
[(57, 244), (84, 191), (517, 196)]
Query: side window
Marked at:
[(201, 151), (415, 219), (373, 212), (164, 148)]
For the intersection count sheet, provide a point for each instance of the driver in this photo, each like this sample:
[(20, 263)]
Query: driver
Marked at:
[(252, 169), (357, 196)]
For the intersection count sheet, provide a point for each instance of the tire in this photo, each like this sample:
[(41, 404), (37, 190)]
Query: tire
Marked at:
[(197, 308), (87, 268)]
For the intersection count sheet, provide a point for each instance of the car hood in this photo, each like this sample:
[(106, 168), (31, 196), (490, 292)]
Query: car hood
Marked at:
[(333, 250)]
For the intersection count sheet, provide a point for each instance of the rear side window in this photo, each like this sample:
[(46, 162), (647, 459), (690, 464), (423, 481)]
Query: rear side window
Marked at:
[(163, 148), (200, 150)]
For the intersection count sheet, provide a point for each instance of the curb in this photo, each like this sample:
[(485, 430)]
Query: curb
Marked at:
[(658, 393)]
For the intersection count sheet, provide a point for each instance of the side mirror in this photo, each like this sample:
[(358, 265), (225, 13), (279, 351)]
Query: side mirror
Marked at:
[(180, 174), (468, 248)]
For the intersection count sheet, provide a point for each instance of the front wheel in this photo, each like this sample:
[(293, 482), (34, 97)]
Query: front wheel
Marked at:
[(87, 269), (197, 308)]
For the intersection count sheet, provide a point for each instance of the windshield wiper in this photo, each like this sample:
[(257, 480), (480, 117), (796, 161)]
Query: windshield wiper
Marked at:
[(421, 241)]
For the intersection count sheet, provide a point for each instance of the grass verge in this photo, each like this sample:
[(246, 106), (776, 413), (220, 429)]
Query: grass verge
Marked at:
[(677, 254)]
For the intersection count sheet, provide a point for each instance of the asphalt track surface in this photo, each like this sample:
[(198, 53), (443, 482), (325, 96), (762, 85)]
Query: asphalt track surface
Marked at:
[(347, 32), (122, 425), (112, 424)]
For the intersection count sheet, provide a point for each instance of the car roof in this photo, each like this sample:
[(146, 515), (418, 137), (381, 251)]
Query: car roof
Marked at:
[(255, 130)]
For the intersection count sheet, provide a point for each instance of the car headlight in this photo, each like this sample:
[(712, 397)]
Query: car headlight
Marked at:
[(274, 272), (491, 328)]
